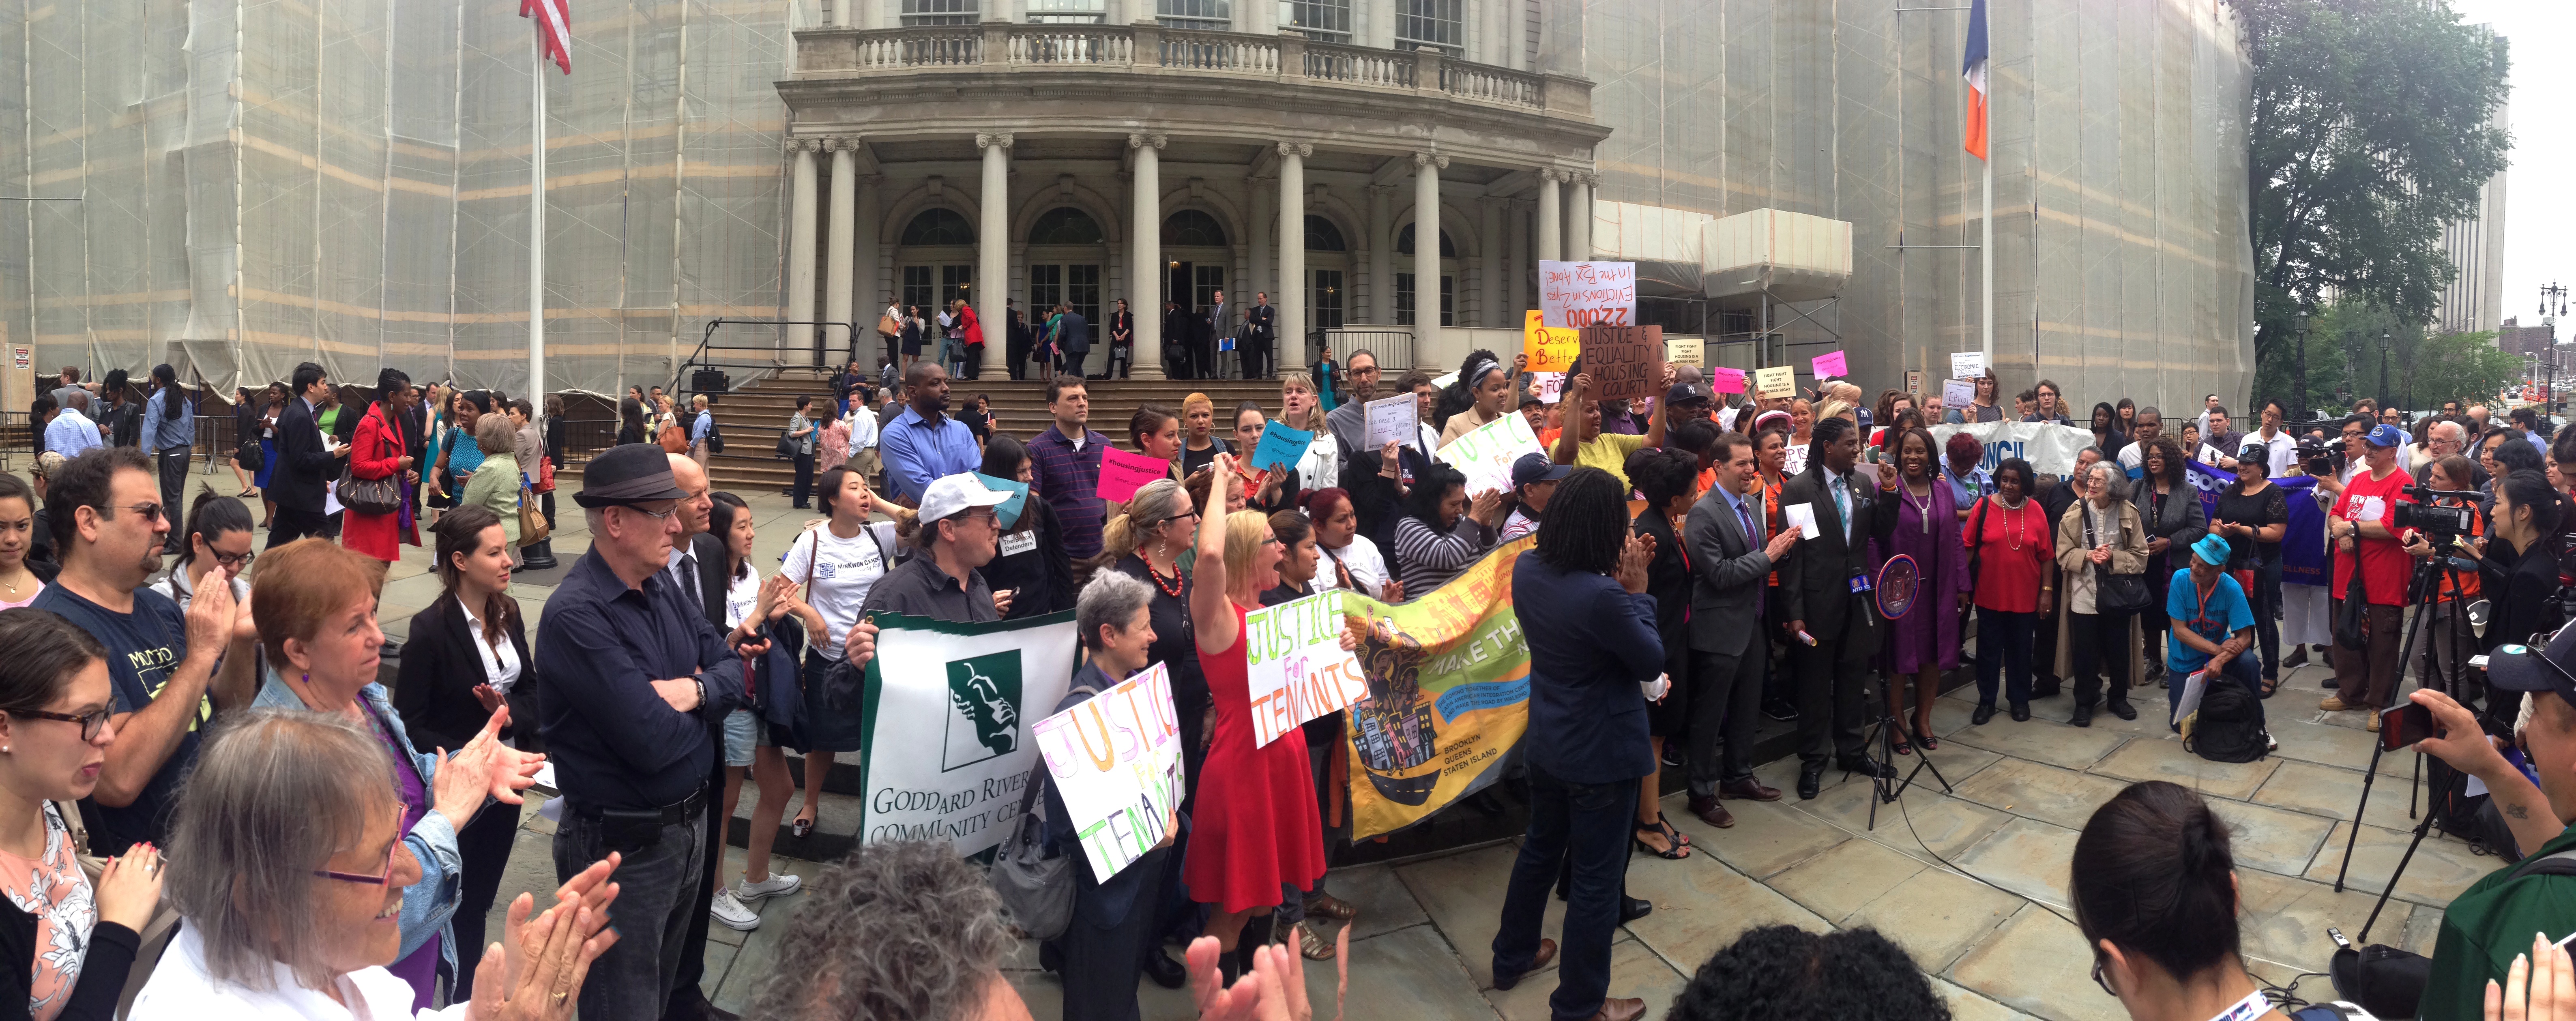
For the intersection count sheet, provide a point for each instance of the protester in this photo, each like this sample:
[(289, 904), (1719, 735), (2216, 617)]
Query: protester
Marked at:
[(1199, 443), (79, 937), (2155, 892), (24, 574), (1064, 467), (1665, 476), (2106, 430), (295, 856), (2213, 625), (1031, 558), (1968, 482), (2175, 519), (2099, 538), (1487, 391), (2012, 549), (923, 444), (1256, 826), (1271, 489), (1585, 443), (1299, 558), (1835, 627), (837, 564), (1587, 745), (2253, 515), (2145, 429), (1534, 477), (942, 579), (1350, 560), (633, 675), (1300, 408), (1924, 527), (1782, 971), (2363, 527), (1156, 433)]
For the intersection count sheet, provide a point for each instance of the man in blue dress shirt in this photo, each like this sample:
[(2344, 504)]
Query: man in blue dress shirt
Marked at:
[(633, 673), (923, 444)]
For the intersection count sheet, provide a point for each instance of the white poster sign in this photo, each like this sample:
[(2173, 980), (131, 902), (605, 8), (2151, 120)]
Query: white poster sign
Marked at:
[(2049, 448), (948, 746), (1393, 420), (1486, 453), (1964, 364), (1116, 760), (1550, 386), (1576, 294), (1299, 671), (1958, 394)]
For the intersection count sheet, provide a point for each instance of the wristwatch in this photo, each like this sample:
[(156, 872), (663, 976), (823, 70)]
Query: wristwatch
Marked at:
[(702, 691)]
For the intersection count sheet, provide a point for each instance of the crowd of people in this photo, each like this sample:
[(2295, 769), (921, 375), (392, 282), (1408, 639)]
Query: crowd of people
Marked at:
[(1700, 561)]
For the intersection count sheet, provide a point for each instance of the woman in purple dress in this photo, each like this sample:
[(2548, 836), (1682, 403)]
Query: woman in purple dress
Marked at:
[(1925, 642)]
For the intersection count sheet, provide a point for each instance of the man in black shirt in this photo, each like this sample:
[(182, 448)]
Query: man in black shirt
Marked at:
[(959, 533)]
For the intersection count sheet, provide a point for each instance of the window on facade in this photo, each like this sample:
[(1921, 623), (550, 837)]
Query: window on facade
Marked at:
[(1404, 300), (1431, 24), (1322, 236), (1205, 281), (940, 12), (1067, 12), (939, 226), (954, 284), (1076, 285), (1328, 20), (1324, 299), (1193, 228), (1065, 225), (1404, 243), (918, 292), (1212, 15)]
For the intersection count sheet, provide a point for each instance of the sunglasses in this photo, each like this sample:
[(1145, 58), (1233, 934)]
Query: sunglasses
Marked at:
[(386, 877), (151, 512)]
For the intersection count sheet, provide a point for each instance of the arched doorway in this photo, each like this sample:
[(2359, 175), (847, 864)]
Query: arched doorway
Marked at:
[(1066, 251), (935, 260), (1405, 289)]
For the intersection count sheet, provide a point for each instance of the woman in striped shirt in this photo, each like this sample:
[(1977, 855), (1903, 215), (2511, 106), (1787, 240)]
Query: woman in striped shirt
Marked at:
[(1442, 531)]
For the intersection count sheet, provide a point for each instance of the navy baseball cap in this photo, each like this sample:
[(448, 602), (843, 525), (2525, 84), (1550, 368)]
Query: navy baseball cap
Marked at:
[(2522, 668), (1536, 468)]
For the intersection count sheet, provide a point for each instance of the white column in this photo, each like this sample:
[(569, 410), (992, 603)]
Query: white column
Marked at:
[(993, 250), (1291, 296), (801, 215), (1257, 253), (841, 259), (1426, 252), (1515, 262), (1146, 241), (1578, 219), (1381, 267), (1550, 221), (867, 284), (1489, 264)]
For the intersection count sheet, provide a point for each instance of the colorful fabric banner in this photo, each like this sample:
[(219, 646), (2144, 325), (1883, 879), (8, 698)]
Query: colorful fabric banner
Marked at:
[(1448, 695), (948, 749)]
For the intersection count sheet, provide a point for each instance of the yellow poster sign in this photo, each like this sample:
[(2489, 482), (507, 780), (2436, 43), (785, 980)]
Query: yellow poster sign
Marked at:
[(1550, 349), (1776, 381)]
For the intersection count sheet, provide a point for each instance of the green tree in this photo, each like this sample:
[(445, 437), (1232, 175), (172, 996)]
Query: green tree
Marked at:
[(2466, 367), (2370, 128)]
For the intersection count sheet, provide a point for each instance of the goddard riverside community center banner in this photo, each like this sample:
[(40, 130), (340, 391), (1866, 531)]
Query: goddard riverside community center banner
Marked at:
[(1448, 695), (950, 711)]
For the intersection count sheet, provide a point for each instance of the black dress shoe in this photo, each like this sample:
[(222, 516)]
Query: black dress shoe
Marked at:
[(2083, 715), (1166, 972), (1634, 908), (2121, 708), (1869, 767), (2021, 712), (1985, 711), (1811, 780)]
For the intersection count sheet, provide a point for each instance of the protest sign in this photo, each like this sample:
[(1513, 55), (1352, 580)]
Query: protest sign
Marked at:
[(1624, 361), (1550, 349), (1485, 454), (1685, 351), (1394, 419), (1725, 380), (1964, 364), (1116, 760), (1009, 511), (1281, 445), (1549, 386), (1957, 394), (1776, 381), (1829, 365), (1298, 671), (947, 749), (1447, 677), (2050, 448), (1123, 473), (1587, 293)]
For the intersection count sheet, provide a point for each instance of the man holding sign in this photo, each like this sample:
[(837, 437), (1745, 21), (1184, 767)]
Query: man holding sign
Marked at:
[(1583, 444), (1111, 938)]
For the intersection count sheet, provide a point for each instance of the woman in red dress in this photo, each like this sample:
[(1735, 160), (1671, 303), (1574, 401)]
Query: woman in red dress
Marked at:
[(1256, 827), (376, 452)]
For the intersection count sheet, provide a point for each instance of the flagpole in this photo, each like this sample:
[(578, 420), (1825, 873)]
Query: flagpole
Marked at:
[(1986, 258), (537, 223)]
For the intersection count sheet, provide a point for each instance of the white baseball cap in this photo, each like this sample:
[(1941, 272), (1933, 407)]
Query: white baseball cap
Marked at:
[(953, 493)]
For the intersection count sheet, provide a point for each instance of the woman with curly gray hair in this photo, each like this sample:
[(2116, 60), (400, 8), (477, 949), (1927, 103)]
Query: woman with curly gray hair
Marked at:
[(898, 931)]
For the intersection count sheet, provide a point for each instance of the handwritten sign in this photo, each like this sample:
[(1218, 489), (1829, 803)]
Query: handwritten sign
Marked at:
[(1587, 294), (1485, 454), (1396, 419), (1829, 365), (1122, 473), (1776, 381), (1725, 380), (1297, 668), (1550, 349), (1957, 394), (1686, 351), (1281, 446), (1116, 759), (1009, 512), (1549, 386), (1624, 361), (1964, 364)]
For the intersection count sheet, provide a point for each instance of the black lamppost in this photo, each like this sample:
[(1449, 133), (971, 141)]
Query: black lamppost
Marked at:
[(2383, 370), (2299, 374)]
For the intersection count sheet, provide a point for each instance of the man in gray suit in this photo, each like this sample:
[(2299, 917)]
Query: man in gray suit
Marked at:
[(1731, 566)]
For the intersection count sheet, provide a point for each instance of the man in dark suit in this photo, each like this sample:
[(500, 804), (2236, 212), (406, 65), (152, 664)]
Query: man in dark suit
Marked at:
[(1213, 324), (1731, 567), (696, 569), (1260, 336), (1073, 341), (1021, 339), (1833, 627), (306, 464), (1177, 331)]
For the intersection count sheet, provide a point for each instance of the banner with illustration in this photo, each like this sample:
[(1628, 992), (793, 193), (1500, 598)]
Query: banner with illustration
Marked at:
[(949, 710), (1448, 695), (2049, 448)]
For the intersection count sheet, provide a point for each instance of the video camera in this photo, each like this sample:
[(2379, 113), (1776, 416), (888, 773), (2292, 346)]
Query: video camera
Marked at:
[(2441, 525), (2316, 455)]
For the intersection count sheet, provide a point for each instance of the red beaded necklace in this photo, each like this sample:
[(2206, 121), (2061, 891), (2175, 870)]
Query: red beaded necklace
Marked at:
[(1179, 583)]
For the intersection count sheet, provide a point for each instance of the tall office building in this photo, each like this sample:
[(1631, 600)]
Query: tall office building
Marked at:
[(2475, 299)]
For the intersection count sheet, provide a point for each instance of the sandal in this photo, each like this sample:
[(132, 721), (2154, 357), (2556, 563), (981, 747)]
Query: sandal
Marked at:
[(1924, 739), (1312, 944), (1676, 852), (1676, 836), (2270, 685), (1896, 740), (1325, 905), (801, 826)]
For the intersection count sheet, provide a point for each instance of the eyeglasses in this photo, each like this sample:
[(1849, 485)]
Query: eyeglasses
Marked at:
[(91, 722), (151, 511), (386, 877), (234, 561), (661, 515), (2101, 981)]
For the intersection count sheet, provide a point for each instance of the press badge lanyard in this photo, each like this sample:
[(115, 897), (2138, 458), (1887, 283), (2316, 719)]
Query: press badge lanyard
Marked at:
[(2252, 1006)]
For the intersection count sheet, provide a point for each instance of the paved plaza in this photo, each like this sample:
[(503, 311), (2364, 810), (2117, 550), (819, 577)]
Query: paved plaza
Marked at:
[(1964, 881)]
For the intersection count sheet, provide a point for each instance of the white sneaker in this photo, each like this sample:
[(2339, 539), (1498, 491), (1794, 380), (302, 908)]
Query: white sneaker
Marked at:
[(777, 885), (732, 913)]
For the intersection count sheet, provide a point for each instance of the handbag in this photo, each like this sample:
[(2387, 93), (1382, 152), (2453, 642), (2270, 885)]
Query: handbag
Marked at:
[(887, 326), (369, 496), (2115, 593), (673, 439), (532, 521), (1037, 890)]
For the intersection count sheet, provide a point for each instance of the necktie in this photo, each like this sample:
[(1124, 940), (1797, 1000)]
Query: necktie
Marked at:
[(1842, 503), (685, 574), (1752, 538)]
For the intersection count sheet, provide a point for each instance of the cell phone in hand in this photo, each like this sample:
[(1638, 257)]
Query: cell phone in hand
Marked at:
[(2405, 725)]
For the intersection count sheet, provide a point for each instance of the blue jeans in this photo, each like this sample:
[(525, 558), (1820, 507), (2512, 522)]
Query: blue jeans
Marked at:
[(2003, 647), (2244, 669), (1592, 823), (657, 898)]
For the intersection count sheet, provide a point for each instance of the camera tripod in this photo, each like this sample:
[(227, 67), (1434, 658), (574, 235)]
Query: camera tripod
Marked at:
[(2424, 595), (1885, 787)]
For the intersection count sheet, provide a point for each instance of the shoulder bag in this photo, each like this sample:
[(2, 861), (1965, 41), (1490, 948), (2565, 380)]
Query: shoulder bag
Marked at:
[(2114, 593), (1976, 533), (369, 496), (1037, 890)]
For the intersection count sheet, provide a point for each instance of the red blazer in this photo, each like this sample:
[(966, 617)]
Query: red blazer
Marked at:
[(377, 451), (974, 328)]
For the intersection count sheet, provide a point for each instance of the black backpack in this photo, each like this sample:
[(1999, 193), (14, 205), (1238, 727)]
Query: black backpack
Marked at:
[(2390, 982), (2230, 724), (715, 436)]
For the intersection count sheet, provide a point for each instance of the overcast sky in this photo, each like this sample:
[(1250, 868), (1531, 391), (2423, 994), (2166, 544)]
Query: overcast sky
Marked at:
[(2540, 212)]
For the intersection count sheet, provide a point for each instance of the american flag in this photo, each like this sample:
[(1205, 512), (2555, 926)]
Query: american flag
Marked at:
[(554, 24)]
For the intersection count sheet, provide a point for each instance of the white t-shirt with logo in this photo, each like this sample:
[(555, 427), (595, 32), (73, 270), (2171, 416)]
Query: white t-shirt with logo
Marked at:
[(842, 572), (742, 595)]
